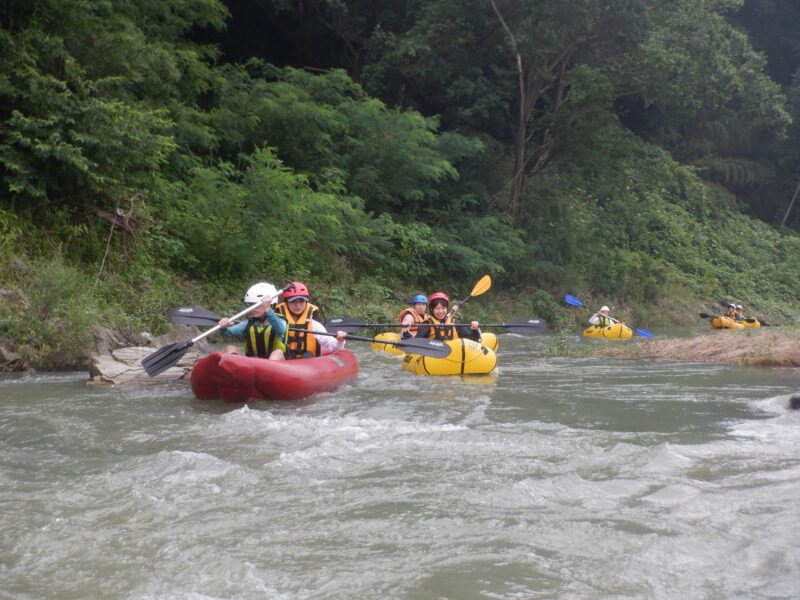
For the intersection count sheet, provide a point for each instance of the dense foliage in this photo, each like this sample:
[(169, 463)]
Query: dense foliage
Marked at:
[(160, 151)]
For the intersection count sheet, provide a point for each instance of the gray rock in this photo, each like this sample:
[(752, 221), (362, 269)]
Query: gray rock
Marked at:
[(10, 360), (14, 299), (113, 365)]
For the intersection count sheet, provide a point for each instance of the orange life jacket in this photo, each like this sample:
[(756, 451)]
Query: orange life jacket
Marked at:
[(417, 320), (300, 342), (442, 333)]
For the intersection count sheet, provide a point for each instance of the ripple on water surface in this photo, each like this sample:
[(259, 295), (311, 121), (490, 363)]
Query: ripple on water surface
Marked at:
[(568, 478)]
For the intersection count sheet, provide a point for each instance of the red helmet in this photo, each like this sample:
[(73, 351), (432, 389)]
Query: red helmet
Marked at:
[(438, 296), (297, 289)]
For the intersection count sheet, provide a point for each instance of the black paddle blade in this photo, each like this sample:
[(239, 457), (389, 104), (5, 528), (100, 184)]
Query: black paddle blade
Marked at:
[(344, 324), (525, 327), (193, 315), (705, 316), (163, 358), (422, 346)]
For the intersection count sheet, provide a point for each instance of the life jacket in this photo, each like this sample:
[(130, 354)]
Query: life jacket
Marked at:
[(442, 333), (417, 319), (300, 343), (260, 339), (604, 321)]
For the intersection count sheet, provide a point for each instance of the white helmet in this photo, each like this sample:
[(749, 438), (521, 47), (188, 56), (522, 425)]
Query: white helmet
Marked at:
[(602, 308), (258, 291)]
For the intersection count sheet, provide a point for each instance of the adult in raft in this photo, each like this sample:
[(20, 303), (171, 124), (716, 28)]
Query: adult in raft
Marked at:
[(601, 318), (413, 316), (264, 332), (439, 305), (301, 314)]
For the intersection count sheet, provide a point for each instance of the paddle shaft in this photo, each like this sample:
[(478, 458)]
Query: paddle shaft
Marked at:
[(365, 325), (425, 347), (347, 337)]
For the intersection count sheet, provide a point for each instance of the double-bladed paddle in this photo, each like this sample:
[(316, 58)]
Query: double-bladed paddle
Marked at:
[(573, 301), (166, 356), (520, 326), (193, 315), (422, 346)]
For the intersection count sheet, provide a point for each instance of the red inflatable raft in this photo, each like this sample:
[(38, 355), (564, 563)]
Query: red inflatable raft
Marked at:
[(236, 378)]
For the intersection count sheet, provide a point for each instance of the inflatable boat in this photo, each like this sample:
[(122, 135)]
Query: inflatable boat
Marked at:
[(726, 323), (487, 339), (467, 357), (615, 330), (236, 378)]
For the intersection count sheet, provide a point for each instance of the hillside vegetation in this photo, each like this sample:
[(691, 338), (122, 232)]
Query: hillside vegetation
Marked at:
[(153, 153)]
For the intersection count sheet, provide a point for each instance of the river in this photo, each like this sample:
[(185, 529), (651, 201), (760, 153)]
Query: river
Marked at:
[(557, 478)]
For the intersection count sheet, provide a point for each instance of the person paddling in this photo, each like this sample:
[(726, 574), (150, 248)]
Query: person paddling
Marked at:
[(439, 305), (601, 318), (301, 314), (412, 316), (264, 332)]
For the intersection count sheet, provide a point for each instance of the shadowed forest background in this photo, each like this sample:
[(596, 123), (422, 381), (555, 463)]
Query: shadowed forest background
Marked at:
[(161, 152)]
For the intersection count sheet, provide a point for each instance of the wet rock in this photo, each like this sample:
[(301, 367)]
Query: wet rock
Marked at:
[(794, 402), (112, 365)]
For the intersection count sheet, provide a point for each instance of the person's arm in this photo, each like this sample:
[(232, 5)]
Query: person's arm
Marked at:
[(327, 343), (472, 332), (236, 330), (277, 323), (424, 331), (594, 319), (406, 323)]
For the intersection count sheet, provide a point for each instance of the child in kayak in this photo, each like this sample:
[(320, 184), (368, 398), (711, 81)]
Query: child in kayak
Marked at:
[(264, 333), (438, 325), (301, 314)]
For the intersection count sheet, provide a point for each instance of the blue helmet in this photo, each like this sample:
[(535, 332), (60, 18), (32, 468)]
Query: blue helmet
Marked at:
[(419, 298)]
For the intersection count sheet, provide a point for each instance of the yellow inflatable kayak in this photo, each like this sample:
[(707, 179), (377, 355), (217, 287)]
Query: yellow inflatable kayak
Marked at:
[(487, 339), (490, 341), (389, 348), (616, 330), (726, 323), (755, 323), (467, 357)]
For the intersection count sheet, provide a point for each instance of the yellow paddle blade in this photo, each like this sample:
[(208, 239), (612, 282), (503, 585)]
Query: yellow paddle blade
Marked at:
[(482, 286)]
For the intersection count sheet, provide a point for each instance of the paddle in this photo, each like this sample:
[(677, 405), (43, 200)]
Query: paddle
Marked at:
[(422, 346), (520, 326), (484, 283), (166, 356), (193, 315), (573, 301)]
